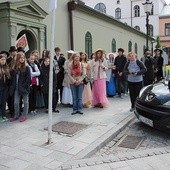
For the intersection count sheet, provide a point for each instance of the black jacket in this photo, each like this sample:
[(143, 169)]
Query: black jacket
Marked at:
[(24, 82), (120, 62), (45, 77)]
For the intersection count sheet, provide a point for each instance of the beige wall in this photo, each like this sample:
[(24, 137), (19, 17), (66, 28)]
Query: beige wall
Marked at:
[(103, 33), (165, 40)]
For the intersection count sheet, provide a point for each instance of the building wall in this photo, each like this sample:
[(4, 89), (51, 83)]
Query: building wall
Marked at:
[(126, 6), (102, 34), (165, 40)]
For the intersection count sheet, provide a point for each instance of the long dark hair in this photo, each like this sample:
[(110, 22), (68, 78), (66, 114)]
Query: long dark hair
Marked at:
[(5, 69), (20, 66)]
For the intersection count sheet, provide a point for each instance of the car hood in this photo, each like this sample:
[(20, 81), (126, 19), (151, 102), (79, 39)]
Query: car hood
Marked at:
[(157, 94)]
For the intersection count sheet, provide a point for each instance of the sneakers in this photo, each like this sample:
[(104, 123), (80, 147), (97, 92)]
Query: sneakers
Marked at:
[(23, 119), (13, 119), (3, 119), (33, 112)]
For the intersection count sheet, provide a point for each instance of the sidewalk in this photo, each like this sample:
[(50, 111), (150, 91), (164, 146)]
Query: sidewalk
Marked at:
[(23, 145)]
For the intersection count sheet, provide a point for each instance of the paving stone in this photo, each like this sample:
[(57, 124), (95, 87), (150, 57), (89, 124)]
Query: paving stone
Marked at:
[(36, 159), (60, 156), (53, 165), (17, 164)]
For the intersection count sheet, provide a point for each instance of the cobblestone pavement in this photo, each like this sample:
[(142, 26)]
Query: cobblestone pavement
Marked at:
[(152, 139)]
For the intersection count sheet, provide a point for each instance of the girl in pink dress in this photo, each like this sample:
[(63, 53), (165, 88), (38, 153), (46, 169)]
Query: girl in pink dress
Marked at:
[(99, 67)]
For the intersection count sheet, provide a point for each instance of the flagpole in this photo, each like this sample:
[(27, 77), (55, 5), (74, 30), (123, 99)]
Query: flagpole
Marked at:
[(51, 78)]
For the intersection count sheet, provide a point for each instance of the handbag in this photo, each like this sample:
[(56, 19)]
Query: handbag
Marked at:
[(86, 80)]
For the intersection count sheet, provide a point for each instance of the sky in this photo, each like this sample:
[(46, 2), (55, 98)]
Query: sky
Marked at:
[(167, 1)]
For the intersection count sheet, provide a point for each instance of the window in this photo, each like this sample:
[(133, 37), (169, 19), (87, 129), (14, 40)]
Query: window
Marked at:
[(118, 1), (136, 11), (152, 10), (136, 48), (88, 44), (150, 30), (118, 13), (100, 7), (129, 46), (137, 27), (167, 29), (113, 45)]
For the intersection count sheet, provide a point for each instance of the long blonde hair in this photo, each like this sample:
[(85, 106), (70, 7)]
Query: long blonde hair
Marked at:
[(5, 69), (20, 66)]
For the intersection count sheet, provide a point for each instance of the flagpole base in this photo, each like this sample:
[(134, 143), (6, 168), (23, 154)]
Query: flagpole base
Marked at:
[(49, 141)]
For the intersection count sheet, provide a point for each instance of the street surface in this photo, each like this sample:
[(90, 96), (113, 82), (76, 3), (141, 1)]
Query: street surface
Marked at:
[(152, 138)]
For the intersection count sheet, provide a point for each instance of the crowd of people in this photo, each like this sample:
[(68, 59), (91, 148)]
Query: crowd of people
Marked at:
[(78, 80)]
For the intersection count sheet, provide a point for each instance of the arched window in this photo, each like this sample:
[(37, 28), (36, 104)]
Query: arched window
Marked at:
[(151, 30), (136, 11), (113, 45), (136, 48), (88, 44), (118, 13), (129, 46), (137, 27), (100, 7)]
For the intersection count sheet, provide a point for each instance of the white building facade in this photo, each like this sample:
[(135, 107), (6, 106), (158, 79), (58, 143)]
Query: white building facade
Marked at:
[(131, 12)]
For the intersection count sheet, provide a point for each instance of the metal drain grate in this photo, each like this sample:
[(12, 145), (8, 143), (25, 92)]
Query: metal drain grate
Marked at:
[(131, 142), (67, 128)]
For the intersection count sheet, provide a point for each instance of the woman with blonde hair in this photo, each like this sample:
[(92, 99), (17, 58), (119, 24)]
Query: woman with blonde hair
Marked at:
[(87, 93), (99, 67), (110, 82), (134, 69), (76, 73), (21, 81)]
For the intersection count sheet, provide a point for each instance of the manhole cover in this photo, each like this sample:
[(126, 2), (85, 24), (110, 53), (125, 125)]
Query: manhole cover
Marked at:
[(67, 128), (132, 142)]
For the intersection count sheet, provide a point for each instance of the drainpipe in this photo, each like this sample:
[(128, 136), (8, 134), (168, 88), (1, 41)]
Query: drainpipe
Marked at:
[(131, 13), (71, 7)]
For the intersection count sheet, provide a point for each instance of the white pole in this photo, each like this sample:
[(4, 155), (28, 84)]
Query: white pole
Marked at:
[(51, 78)]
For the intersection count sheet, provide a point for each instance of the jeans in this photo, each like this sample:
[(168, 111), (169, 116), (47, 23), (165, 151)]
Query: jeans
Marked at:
[(17, 104), (3, 99), (77, 92)]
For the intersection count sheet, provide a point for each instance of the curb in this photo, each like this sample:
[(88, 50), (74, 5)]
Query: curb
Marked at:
[(115, 158), (104, 139)]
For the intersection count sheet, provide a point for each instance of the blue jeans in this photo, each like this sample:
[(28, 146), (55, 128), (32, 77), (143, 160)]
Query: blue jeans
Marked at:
[(3, 100), (77, 92), (17, 102)]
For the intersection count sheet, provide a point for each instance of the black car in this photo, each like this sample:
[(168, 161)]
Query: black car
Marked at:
[(153, 106)]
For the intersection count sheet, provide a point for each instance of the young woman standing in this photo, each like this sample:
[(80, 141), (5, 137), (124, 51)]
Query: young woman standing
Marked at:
[(87, 93), (99, 67), (76, 75), (4, 86), (21, 82), (134, 69)]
